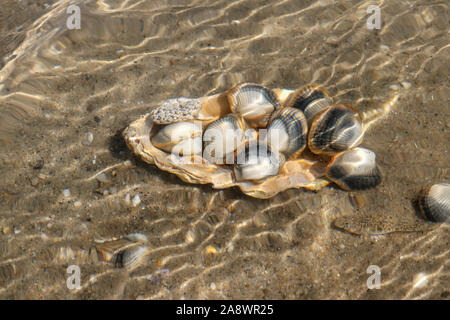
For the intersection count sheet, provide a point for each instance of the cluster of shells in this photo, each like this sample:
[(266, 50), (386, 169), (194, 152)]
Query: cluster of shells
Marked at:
[(261, 140)]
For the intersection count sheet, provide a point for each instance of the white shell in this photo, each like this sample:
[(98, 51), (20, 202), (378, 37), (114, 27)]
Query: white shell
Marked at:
[(181, 138), (355, 169), (222, 137), (255, 162), (254, 102)]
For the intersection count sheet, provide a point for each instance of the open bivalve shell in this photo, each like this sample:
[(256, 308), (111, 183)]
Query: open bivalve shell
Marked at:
[(307, 171)]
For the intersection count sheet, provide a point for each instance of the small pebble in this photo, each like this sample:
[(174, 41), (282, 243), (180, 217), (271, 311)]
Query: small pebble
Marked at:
[(6, 230), (136, 200), (89, 137), (34, 181), (77, 204), (210, 250), (394, 87), (406, 84), (37, 163), (66, 193), (212, 286), (102, 178), (128, 199), (420, 280), (384, 48)]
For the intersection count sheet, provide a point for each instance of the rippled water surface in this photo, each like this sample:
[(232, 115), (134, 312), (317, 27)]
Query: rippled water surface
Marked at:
[(68, 181)]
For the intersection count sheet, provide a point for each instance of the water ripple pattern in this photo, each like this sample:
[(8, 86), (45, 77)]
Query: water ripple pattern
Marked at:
[(68, 181)]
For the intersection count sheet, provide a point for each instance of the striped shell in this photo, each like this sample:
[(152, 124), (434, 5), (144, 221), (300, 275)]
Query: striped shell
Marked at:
[(222, 137), (335, 129), (256, 162), (434, 202), (310, 100), (354, 169), (288, 132), (254, 102)]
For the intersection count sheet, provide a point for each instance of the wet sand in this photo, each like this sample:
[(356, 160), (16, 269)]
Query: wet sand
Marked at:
[(66, 174)]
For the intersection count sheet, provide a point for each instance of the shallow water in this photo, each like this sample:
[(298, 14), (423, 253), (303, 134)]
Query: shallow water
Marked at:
[(66, 174)]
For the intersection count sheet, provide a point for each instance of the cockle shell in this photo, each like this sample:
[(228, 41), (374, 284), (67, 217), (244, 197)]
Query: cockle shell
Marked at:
[(254, 102), (310, 99), (434, 202), (183, 138), (335, 129), (222, 137), (288, 132), (256, 162), (354, 169), (128, 252), (298, 173)]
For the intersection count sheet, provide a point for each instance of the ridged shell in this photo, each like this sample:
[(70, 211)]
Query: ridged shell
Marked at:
[(222, 137), (254, 102), (256, 162), (288, 132), (434, 202), (132, 257), (128, 252), (310, 99), (335, 129), (183, 138), (354, 169)]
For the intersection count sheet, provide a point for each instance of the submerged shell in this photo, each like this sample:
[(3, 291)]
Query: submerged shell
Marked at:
[(310, 100), (222, 137), (132, 257), (434, 202), (128, 252), (354, 169), (287, 132), (254, 102), (178, 109), (185, 109), (256, 162), (183, 138), (335, 129)]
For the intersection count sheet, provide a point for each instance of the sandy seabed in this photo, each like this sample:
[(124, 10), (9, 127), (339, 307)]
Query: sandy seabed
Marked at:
[(67, 180)]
